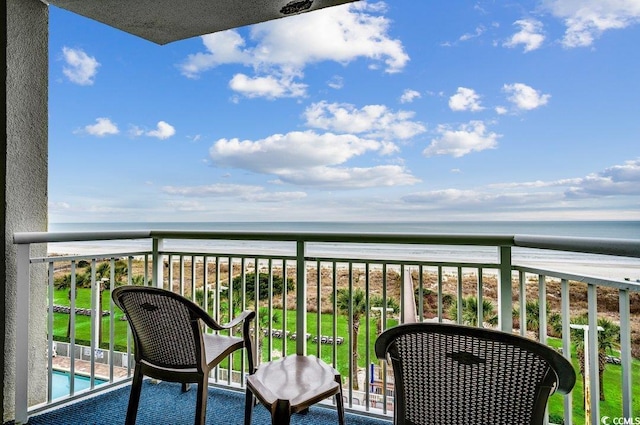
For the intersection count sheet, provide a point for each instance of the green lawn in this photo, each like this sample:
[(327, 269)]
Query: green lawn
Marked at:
[(612, 377), (83, 323), (83, 329), (343, 351), (611, 406)]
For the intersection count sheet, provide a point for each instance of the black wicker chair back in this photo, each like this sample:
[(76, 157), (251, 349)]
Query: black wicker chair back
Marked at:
[(170, 343), (163, 328), (451, 374)]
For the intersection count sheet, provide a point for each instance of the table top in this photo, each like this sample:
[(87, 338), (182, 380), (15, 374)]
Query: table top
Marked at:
[(302, 380)]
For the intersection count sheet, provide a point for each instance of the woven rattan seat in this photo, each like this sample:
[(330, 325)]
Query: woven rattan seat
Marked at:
[(170, 342), (452, 374)]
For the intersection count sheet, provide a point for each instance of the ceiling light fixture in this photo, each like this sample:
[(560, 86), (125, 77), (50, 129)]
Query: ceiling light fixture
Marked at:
[(296, 6)]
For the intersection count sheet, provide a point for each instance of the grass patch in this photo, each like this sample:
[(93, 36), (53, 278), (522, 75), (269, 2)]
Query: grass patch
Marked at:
[(612, 379)]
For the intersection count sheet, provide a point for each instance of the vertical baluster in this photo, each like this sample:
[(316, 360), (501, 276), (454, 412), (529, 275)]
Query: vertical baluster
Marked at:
[(565, 311), (301, 298), (479, 290), (625, 353), (367, 332), (72, 329), (96, 320), (50, 349), (112, 323), (318, 308), (440, 294), (523, 303)]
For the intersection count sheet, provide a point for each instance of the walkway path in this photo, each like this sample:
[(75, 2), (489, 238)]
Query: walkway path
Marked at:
[(83, 367)]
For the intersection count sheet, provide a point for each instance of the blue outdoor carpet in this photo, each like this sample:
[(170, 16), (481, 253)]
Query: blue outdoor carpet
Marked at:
[(165, 403)]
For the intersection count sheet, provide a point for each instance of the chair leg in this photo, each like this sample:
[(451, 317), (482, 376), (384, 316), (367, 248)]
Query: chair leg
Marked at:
[(281, 413), (134, 397), (248, 407), (340, 407), (201, 402)]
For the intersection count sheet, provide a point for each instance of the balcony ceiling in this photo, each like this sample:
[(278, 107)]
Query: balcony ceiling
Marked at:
[(165, 21)]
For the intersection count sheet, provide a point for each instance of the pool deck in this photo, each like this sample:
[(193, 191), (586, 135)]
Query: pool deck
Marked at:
[(83, 367)]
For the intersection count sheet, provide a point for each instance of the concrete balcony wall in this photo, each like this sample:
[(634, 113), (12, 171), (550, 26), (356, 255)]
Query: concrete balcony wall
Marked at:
[(24, 191)]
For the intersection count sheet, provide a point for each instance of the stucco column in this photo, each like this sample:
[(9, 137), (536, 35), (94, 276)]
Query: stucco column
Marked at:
[(24, 192)]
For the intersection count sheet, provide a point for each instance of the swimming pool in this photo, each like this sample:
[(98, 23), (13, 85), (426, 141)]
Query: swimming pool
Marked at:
[(61, 382)]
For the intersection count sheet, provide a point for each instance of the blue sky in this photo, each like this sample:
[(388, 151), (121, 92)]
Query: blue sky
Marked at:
[(376, 110)]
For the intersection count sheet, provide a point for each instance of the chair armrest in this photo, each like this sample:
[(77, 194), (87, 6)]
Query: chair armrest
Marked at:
[(566, 376), (245, 318), (247, 315)]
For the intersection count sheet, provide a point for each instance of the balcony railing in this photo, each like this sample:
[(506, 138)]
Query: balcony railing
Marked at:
[(322, 294)]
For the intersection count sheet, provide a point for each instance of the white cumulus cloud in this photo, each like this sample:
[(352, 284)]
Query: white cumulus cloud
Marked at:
[(283, 48), (270, 87), (80, 68), (586, 20), (530, 35), (409, 96), (350, 177), (465, 99), (309, 158), (102, 127), (371, 120), (292, 150), (163, 131), (525, 97), (467, 138)]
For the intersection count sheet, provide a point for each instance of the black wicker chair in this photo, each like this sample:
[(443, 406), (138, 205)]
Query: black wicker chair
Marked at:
[(170, 342), (452, 374)]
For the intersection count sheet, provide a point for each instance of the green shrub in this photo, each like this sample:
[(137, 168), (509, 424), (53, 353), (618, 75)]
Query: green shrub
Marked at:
[(250, 288)]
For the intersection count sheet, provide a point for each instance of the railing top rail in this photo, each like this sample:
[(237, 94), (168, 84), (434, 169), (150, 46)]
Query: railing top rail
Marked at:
[(575, 277), (400, 238), (618, 247), (44, 237), (346, 237)]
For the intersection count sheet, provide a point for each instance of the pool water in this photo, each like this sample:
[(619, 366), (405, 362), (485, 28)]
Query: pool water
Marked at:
[(61, 383)]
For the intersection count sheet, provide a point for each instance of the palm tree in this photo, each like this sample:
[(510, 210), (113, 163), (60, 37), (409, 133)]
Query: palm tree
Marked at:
[(120, 270), (608, 337), (200, 300), (532, 322), (470, 311), (354, 305)]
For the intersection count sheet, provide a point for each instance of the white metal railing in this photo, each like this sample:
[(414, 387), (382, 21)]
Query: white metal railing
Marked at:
[(182, 261)]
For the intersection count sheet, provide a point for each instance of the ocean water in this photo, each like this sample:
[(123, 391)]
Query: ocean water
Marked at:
[(605, 266)]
